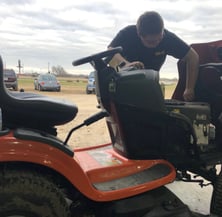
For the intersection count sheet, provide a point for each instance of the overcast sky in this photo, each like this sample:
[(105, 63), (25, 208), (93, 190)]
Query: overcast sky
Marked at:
[(46, 33)]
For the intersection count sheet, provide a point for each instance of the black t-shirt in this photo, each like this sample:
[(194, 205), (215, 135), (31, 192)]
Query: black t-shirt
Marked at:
[(152, 58)]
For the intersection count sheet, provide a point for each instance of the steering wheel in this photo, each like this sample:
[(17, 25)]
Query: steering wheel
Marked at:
[(108, 53)]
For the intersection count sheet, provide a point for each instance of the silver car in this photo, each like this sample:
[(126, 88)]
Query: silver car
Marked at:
[(47, 82)]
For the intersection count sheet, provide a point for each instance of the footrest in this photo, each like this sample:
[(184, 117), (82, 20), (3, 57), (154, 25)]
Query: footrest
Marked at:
[(149, 175)]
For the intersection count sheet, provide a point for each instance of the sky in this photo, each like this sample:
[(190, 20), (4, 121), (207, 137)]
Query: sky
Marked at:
[(46, 33)]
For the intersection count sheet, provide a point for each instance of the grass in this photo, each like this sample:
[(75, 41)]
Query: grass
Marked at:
[(73, 85)]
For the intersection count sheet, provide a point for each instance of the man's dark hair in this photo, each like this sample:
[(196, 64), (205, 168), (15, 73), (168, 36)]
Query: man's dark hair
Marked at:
[(149, 23)]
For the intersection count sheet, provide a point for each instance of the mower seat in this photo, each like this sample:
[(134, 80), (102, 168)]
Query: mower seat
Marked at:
[(29, 110)]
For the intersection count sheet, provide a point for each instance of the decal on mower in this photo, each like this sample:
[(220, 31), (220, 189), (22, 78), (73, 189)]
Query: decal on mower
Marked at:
[(104, 158)]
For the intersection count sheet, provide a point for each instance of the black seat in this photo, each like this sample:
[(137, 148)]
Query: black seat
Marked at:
[(21, 109)]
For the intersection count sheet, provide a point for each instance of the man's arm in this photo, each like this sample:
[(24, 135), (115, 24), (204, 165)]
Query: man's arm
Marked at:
[(192, 66), (117, 59)]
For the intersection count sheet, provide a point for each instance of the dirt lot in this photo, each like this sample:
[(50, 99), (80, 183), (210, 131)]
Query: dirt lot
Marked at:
[(94, 134)]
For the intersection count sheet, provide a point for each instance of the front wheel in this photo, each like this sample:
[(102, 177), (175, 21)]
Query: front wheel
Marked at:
[(25, 194), (216, 201)]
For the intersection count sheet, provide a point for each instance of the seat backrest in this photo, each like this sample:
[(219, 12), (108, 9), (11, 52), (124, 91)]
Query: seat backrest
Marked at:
[(210, 52)]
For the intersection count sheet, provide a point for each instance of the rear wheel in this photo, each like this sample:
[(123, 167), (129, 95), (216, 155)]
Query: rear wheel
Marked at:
[(216, 201), (25, 194)]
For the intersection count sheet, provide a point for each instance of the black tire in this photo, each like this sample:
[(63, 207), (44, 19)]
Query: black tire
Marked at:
[(216, 201), (88, 91), (26, 194), (15, 88), (39, 87)]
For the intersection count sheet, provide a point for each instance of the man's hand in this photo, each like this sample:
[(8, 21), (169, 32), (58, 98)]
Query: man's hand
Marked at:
[(189, 95), (119, 60), (136, 64)]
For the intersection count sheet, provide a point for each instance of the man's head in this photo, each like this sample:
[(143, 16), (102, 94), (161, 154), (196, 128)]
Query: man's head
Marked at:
[(150, 28)]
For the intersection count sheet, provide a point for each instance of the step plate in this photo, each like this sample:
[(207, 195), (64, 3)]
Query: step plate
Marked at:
[(149, 175)]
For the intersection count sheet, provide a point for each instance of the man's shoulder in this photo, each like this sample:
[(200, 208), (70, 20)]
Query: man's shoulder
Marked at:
[(169, 34), (129, 28), (174, 45), (171, 37)]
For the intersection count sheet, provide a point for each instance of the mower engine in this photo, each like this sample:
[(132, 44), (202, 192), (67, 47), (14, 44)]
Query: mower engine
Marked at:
[(199, 115)]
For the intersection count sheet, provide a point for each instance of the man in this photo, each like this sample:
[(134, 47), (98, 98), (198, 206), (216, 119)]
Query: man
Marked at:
[(146, 44)]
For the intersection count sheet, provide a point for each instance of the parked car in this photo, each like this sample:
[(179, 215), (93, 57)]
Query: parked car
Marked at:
[(47, 82), (91, 87), (10, 79)]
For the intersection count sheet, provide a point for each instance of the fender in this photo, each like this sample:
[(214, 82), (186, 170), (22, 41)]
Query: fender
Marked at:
[(36, 147)]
